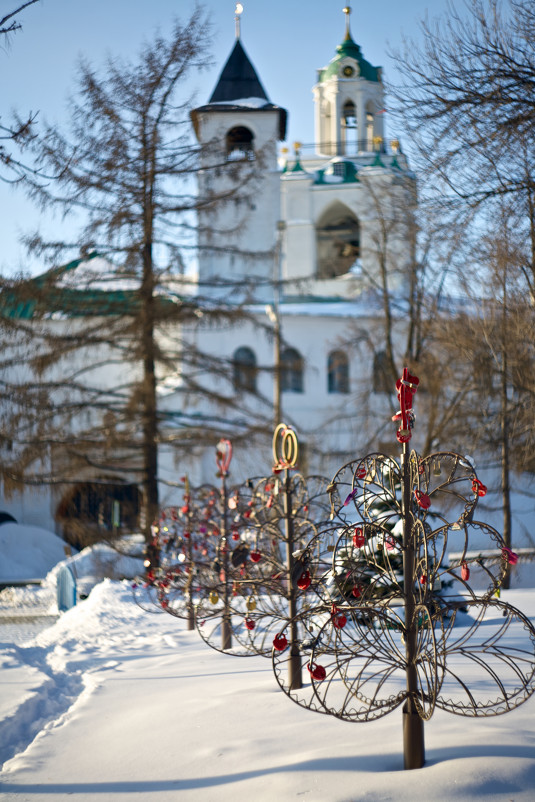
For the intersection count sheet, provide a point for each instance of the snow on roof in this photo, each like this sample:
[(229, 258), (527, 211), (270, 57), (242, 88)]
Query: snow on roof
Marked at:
[(95, 274), (99, 274), (246, 102), (363, 306)]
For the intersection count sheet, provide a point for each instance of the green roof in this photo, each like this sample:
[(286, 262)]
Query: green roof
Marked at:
[(350, 49), (43, 296)]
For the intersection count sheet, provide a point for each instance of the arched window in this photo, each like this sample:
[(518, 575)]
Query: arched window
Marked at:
[(382, 381), (337, 241), (337, 372), (244, 369), (349, 128), (239, 144), (291, 373)]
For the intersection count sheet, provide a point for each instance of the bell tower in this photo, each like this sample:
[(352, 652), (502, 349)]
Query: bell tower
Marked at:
[(239, 181), (349, 102)]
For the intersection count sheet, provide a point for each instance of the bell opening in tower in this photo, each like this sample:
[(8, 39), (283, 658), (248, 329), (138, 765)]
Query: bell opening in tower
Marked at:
[(240, 144), (349, 129)]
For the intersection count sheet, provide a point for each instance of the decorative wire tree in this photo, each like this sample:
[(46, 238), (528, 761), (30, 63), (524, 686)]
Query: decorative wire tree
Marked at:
[(275, 518), (395, 624), (188, 545)]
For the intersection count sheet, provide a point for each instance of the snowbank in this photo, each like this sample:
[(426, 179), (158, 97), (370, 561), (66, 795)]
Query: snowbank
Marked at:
[(101, 561), (28, 552)]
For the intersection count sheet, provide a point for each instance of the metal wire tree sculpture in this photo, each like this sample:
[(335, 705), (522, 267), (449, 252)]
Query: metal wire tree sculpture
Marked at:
[(275, 518), (188, 543), (186, 547), (395, 625)]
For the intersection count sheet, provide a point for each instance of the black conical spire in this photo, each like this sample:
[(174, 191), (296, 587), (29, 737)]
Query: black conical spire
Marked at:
[(238, 79)]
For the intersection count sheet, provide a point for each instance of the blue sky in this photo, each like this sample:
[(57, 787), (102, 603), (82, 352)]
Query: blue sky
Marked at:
[(287, 42)]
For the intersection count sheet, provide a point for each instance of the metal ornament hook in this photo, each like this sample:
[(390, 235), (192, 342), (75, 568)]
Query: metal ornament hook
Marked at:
[(285, 447)]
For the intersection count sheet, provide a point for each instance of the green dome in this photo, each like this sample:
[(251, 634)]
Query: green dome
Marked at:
[(350, 49)]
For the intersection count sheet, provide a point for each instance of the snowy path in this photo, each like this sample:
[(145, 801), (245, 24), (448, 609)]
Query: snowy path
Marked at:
[(116, 704)]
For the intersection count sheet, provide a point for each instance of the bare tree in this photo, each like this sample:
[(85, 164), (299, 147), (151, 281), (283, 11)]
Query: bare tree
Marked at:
[(9, 22), (467, 98), (20, 131), (101, 335)]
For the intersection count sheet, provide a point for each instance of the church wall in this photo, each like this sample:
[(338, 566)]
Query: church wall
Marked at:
[(32, 506), (329, 423), (239, 234), (379, 202)]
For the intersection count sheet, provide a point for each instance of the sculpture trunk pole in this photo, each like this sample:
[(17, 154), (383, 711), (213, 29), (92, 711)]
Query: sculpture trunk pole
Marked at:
[(294, 666), (226, 635), (189, 585), (413, 726)]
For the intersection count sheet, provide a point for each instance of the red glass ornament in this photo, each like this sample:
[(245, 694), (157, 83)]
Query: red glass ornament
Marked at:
[(422, 499), (255, 556), (479, 488), (356, 592), (280, 642), (249, 623), (509, 556), (358, 537), (317, 672), (304, 580), (339, 621), (465, 572)]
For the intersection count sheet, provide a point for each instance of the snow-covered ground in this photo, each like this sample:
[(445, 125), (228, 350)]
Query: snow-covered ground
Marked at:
[(112, 703)]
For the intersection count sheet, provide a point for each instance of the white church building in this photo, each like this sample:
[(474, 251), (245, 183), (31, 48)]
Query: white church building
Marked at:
[(326, 236)]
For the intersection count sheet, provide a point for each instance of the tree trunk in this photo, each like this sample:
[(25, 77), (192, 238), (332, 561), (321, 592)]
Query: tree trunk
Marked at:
[(149, 411), (505, 464)]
